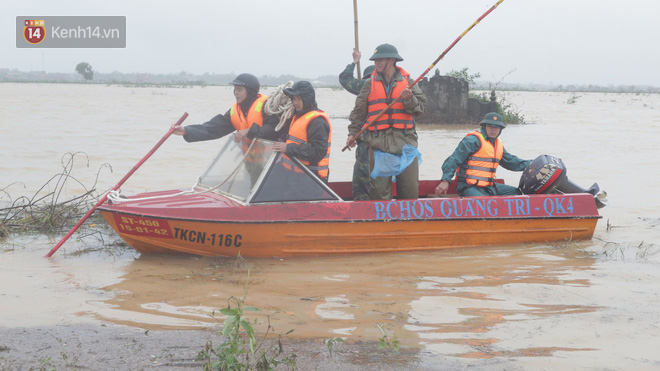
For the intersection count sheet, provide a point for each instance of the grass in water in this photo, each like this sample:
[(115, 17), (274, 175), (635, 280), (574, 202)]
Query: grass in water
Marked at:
[(242, 349)]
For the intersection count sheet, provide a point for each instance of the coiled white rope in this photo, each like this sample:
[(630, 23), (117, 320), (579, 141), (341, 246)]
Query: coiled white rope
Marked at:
[(280, 104)]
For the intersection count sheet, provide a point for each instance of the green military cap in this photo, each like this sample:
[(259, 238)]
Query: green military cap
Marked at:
[(493, 119), (386, 51)]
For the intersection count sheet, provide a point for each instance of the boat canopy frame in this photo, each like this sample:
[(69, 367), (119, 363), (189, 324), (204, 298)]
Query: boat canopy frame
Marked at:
[(256, 174)]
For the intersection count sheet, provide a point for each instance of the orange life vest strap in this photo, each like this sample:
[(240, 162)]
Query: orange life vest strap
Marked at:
[(396, 116)]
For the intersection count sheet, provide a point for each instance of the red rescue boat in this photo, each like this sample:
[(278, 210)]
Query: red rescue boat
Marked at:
[(263, 204)]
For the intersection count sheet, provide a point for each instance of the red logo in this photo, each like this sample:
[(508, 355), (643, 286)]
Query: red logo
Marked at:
[(34, 31)]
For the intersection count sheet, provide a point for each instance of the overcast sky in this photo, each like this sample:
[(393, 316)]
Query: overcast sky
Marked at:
[(604, 42)]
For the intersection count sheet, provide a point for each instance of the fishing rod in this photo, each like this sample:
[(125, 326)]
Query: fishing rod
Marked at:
[(104, 198), (371, 122)]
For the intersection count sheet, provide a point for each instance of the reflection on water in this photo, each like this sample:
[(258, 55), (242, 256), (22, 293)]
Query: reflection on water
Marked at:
[(527, 303), (446, 300), (471, 306), (337, 307), (482, 303), (523, 301)]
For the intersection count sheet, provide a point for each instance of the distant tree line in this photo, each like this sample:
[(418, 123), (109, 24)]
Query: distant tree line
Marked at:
[(182, 78), (210, 79)]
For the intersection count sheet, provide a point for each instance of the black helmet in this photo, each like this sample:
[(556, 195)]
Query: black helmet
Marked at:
[(368, 71), (305, 90), (299, 88), (493, 119), (248, 80), (386, 51)]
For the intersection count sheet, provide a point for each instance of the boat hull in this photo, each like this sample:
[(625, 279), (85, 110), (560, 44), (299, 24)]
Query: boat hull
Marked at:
[(213, 226), (287, 239)]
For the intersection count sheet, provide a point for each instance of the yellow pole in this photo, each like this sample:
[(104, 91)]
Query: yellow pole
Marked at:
[(357, 42)]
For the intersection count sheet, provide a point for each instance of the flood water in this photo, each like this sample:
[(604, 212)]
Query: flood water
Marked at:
[(570, 305)]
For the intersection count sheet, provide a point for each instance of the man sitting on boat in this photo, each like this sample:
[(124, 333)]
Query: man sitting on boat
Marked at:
[(309, 131), (475, 161), (245, 117)]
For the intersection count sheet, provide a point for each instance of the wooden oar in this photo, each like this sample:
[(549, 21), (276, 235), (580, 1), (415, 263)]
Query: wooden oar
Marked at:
[(105, 197), (371, 122)]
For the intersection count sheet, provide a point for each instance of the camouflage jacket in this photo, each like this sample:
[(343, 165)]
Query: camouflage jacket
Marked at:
[(350, 83)]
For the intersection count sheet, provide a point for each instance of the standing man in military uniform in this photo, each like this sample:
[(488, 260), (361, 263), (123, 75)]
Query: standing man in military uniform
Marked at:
[(395, 128), (361, 166)]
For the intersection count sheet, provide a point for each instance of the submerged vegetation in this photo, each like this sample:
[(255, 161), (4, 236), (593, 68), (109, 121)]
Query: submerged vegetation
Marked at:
[(46, 212), (510, 112), (241, 349), (246, 345), (573, 98)]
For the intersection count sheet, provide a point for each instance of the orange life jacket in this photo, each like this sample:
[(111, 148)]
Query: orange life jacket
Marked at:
[(396, 116), (254, 116), (480, 167), (298, 135)]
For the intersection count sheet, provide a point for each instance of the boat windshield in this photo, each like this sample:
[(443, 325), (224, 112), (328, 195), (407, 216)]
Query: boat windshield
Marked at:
[(256, 174)]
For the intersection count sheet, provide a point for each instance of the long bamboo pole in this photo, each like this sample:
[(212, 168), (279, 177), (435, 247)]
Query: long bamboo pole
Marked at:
[(357, 42), (375, 118), (105, 197)]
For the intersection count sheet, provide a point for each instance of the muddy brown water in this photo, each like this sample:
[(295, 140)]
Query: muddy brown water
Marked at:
[(574, 304)]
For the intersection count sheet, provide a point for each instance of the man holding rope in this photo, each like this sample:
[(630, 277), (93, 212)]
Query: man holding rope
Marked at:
[(392, 135), (309, 131)]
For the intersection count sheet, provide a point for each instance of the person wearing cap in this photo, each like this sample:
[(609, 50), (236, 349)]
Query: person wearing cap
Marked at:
[(394, 131), (308, 131), (245, 117), (361, 166), (476, 159)]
